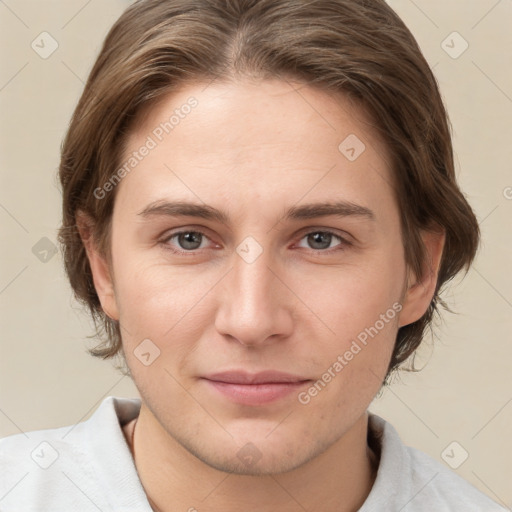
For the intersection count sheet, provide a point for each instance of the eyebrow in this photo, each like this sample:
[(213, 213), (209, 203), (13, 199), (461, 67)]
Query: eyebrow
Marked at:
[(303, 212)]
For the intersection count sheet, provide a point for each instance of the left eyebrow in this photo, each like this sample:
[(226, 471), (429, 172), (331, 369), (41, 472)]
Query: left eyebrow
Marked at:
[(303, 212), (337, 209)]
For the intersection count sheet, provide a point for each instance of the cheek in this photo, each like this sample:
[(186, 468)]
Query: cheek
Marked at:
[(157, 300), (361, 308), (349, 298), (159, 309), (331, 305), (352, 367), (160, 294)]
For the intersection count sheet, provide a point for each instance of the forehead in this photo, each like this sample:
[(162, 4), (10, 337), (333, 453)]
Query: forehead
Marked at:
[(264, 109), (276, 139)]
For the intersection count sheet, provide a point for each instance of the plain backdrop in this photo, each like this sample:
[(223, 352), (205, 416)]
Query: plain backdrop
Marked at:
[(463, 395)]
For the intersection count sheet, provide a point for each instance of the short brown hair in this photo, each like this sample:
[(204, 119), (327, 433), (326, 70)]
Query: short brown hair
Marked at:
[(359, 48)]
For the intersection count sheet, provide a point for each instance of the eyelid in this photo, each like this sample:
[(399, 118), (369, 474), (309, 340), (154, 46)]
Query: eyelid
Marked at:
[(344, 240), (164, 239), (344, 235)]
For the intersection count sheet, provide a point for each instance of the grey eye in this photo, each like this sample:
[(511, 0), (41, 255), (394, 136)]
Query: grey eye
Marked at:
[(189, 240)]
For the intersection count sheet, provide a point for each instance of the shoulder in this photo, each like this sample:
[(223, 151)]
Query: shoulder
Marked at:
[(72, 467), (411, 480), (443, 486), (37, 468)]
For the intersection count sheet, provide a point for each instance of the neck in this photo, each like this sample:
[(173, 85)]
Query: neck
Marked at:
[(174, 479)]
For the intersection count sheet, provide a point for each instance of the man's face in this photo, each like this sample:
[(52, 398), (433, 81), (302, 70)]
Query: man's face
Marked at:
[(259, 290)]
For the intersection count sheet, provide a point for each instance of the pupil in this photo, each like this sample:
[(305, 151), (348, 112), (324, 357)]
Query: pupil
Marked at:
[(188, 239), (318, 237)]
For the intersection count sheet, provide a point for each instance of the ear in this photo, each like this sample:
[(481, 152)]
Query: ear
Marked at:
[(420, 289), (101, 273)]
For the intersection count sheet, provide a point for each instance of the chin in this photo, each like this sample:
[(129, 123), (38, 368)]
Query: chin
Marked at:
[(251, 461), (266, 453)]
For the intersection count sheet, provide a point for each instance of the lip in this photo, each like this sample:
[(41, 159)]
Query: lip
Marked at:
[(265, 377), (255, 388)]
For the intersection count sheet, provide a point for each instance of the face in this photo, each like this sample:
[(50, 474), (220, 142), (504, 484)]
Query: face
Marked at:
[(259, 314)]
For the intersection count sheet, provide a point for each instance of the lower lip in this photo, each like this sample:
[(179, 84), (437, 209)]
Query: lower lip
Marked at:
[(256, 394)]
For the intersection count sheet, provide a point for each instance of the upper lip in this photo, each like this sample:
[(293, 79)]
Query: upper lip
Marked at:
[(265, 377)]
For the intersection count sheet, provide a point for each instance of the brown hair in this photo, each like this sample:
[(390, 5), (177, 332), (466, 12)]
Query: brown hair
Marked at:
[(359, 48)]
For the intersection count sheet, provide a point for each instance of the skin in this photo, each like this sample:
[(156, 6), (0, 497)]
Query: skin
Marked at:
[(253, 150)]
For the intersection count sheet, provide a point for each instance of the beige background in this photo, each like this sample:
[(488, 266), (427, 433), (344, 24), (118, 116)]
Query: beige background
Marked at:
[(464, 394)]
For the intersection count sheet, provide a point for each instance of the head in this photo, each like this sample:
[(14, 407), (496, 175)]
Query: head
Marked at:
[(258, 113)]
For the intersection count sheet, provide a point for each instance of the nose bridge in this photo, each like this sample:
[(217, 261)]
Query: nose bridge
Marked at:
[(253, 305), (253, 279)]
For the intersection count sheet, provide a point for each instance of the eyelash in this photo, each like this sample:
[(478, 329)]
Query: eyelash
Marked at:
[(165, 242)]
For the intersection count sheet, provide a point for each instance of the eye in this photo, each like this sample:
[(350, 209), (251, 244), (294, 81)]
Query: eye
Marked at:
[(321, 240), (186, 241), (183, 242)]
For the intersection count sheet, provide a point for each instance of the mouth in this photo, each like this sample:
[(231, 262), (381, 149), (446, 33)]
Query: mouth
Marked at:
[(255, 389)]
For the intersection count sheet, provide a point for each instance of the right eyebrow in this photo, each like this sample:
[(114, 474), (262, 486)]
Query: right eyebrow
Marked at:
[(182, 208)]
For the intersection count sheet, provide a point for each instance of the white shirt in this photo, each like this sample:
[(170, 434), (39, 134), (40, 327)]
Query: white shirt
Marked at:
[(88, 467)]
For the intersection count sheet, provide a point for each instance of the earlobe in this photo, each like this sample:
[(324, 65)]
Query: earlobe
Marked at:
[(420, 289), (102, 277)]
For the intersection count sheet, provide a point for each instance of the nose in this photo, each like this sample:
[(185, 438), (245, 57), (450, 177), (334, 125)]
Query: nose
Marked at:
[(255, 305)]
